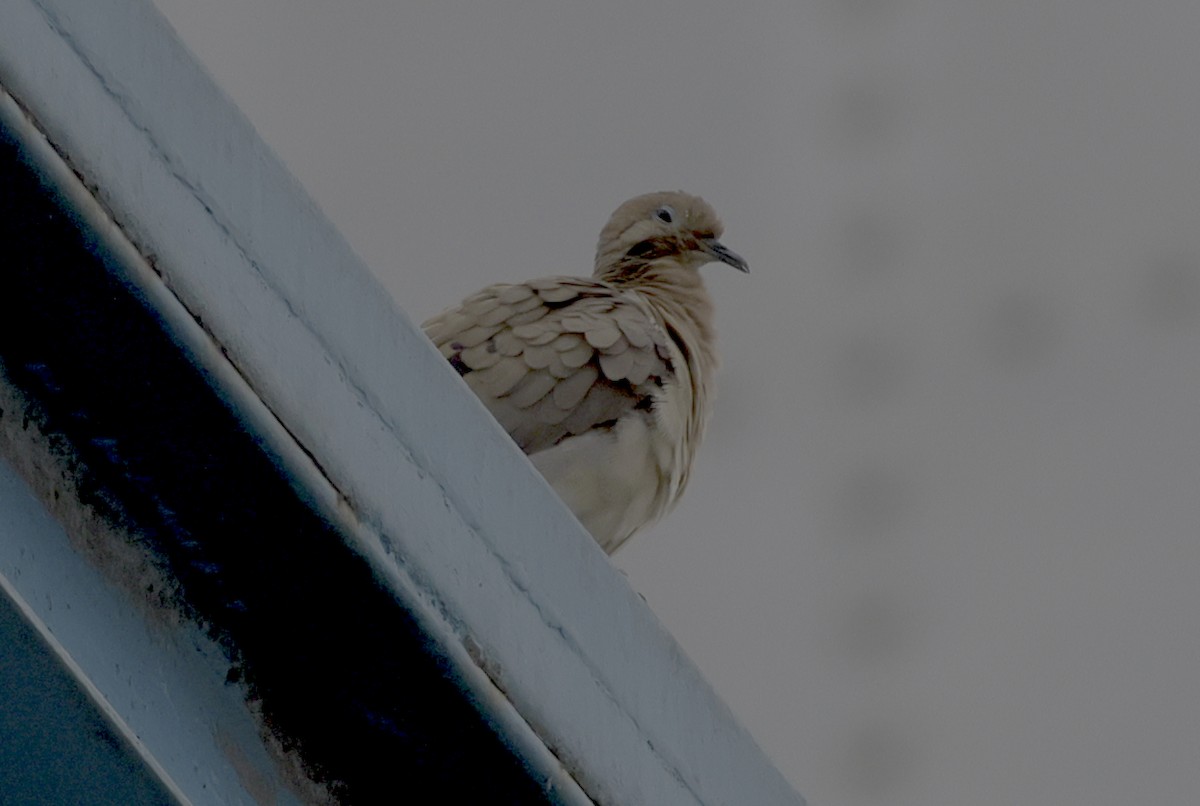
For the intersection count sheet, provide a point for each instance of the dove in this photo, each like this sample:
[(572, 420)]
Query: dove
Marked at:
[(605, 382)]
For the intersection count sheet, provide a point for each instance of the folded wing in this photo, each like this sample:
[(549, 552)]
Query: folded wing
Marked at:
[(555, 357)]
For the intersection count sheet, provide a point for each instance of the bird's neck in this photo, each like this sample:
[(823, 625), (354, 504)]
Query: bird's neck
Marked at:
[(677, 292)]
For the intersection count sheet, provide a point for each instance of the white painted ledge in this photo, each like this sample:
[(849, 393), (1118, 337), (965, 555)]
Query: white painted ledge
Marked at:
[(409, 464)]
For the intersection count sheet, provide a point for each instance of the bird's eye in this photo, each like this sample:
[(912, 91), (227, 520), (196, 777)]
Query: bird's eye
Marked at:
[(665, 214)]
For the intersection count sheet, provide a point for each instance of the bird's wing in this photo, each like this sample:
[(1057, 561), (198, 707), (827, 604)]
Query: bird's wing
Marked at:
[(555, 357)]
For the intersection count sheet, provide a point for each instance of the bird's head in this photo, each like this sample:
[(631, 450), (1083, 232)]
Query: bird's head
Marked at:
[(663, 225)]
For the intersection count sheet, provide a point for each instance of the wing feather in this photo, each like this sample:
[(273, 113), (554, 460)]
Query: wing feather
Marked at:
[(556, 356)]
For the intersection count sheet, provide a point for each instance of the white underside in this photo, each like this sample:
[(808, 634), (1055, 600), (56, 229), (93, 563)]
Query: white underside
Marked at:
[(615, 481)]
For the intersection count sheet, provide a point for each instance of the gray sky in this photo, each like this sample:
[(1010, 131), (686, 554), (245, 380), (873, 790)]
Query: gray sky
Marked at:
[(942, 543)]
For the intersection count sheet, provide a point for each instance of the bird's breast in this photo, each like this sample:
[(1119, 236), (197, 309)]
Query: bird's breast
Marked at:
[(617, 479)]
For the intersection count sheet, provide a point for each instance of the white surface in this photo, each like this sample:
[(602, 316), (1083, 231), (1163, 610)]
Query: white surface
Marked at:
[(941, 545), (442, 501)]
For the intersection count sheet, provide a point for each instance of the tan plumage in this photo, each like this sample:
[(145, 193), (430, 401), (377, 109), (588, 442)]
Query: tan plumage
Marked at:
[(604, 382)]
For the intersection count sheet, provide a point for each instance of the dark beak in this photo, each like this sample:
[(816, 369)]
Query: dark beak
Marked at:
[(724, 254)]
